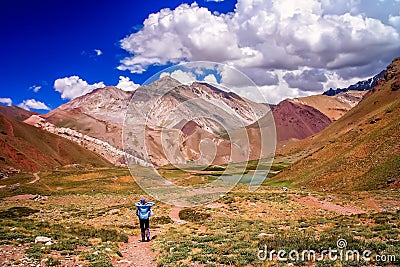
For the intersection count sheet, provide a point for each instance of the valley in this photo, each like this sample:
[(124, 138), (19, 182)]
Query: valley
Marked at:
[(334, 177), (88, 216)]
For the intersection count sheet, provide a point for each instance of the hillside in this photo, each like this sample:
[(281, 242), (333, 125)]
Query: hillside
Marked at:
[(360, 151), (99, 114), (27, 148), (16, 113), (298, 121), (364, 85), (334, 106)]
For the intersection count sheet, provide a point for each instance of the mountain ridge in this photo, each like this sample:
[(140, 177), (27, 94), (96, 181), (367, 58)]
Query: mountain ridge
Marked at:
[(364, 85), (28, 148), (360, 151)]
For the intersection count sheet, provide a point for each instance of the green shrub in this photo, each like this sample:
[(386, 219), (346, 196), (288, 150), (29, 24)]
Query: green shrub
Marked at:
[(17, 212), (193, 215)]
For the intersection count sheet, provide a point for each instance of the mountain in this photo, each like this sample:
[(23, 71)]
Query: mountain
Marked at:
[(359, 86), (99, 114), (27, 148), (296, 120), (16, 113), (334, 106), (179, 117), (360, 151), (186, 114)]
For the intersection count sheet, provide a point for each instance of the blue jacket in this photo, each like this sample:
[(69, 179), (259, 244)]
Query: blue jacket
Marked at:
[(144, 210)]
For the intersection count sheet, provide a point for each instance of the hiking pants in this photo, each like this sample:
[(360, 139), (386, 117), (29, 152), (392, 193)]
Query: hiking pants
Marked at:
[(144, 224)]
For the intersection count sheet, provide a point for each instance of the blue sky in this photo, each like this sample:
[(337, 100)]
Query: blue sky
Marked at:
[(46, 40), (53, 51)]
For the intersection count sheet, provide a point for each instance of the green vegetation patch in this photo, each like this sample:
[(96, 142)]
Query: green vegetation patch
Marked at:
[(193, 215), (236, 242), (17, 212)]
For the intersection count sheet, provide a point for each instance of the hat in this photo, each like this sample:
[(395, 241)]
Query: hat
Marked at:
[(143, 201)]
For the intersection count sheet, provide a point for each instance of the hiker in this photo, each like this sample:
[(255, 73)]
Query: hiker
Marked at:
[(144, 212)]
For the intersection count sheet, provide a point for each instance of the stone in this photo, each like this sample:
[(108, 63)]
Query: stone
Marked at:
[(42, 239)]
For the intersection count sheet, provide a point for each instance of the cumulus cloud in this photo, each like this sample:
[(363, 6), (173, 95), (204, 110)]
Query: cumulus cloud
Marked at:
[(126, 84), (308, 80), (188, 32), (210, 78), (262, 37), (181, 76), (33, 104), (6, 100), (394, 20), (73, 86), (35, 88)]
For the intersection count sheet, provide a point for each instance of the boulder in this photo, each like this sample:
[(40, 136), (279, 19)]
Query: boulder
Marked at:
[(42, 239)]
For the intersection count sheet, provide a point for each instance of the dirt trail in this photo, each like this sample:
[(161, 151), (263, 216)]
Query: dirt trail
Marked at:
[(139, 254), (326, 205), (37, 178), (136, 254), (174, 215)]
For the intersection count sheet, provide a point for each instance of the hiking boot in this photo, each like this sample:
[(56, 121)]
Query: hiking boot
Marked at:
[(143, 237)]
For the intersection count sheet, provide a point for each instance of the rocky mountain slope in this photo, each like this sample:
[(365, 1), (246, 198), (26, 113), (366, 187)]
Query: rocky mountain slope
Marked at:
[(334, 106), (296, 120), (360, 151), (101, 114), (16, 113), (179, 118), (109, 152), (28, 148), (359, 86)]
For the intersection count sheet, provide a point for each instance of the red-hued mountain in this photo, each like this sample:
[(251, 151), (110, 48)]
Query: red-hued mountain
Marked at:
[(298, 121), (28, 148), (16, 113), (334, 106), (101, 114), (360, 151)]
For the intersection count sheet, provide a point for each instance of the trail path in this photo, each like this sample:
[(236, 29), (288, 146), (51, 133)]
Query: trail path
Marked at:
[(174, 215), (312, 201), (139, 254), (37, 178)]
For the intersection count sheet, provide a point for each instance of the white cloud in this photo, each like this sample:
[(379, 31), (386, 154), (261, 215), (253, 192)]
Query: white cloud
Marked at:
[(126, 84), (33, 104), (6, 100), (98, 52), (394, 20), (351, 38), (73, 86), (188, 32), (213, 0), (35, 88), (210, 78), (182, 76)]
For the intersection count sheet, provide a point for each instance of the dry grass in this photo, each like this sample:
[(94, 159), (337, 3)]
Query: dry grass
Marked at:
[(88, 225)]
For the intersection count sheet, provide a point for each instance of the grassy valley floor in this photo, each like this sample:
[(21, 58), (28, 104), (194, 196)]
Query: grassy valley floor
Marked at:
[(88, 216)]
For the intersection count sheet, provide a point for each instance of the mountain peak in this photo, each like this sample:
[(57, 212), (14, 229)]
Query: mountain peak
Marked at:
[(166, 81), (359, 86), (393, 71), (109, 90)]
